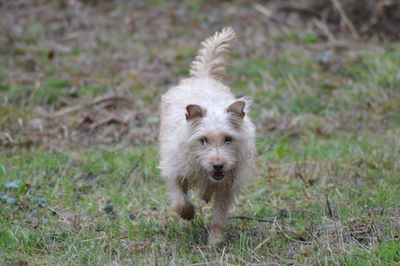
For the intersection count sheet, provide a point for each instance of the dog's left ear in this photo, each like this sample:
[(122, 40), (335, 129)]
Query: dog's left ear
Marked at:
[(237, 108)]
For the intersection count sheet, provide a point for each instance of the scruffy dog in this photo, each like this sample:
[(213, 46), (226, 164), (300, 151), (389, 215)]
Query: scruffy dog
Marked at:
[(206, 138)]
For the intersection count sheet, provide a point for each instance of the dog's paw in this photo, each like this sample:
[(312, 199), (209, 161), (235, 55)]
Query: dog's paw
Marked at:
[(215, 238), (186, 212)]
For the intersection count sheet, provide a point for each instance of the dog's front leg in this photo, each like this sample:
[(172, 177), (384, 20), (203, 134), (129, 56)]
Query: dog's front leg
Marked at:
[(222, 201), (180, 199)]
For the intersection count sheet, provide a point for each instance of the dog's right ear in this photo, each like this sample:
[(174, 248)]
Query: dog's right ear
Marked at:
[(193, 111)]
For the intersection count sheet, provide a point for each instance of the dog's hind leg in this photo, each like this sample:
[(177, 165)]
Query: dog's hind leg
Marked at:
[(208, 192), (180, 199)]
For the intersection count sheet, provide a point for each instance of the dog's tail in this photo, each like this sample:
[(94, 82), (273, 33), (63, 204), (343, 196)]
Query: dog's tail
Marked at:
[(213, 56)]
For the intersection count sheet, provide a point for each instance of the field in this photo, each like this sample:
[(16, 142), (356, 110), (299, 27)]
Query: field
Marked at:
[(80, 84)]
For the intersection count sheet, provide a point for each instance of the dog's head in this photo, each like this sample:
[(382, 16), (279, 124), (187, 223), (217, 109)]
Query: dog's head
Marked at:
[(215, 137)]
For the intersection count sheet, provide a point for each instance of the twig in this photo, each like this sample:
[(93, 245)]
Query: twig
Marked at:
[(222, 256), (202, 254), (95, 101), (261, 244), (345, 18), (56, 212), (292, 239), (251, 218), (269, 14), (96, 238), (298, 174), (361, 246), (322, 26), (263, 10), (125, 178), (328, 205)]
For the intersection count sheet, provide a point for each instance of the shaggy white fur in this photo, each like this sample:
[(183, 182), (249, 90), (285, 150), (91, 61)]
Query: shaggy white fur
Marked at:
[(207, 140)]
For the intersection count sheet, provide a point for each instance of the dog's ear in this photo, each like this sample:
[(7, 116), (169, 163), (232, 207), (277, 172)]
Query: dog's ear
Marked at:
[(237, 108), (193, 111)]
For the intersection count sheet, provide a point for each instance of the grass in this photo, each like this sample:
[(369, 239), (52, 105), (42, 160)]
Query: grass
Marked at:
[(83, 187)]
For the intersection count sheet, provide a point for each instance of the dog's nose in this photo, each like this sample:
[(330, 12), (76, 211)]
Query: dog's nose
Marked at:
[(218, 166)]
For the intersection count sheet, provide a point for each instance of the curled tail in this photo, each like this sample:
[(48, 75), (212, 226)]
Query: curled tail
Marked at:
[(213, 56)]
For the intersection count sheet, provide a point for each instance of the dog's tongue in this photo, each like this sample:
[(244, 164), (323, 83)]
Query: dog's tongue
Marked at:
[(218, 175)]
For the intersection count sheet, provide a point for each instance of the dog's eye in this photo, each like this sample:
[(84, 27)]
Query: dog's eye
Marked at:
[(204, 140), (228, 140)]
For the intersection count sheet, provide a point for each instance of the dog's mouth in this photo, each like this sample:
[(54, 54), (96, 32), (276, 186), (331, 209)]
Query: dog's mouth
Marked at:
[(218, 175)]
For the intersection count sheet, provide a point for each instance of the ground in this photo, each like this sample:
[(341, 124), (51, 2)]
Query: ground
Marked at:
[(80, 84)]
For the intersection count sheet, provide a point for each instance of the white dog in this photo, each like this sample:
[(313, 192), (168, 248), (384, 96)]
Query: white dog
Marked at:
[(206, 137)]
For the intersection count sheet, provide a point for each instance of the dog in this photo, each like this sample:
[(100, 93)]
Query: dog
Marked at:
[(207, 140)]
